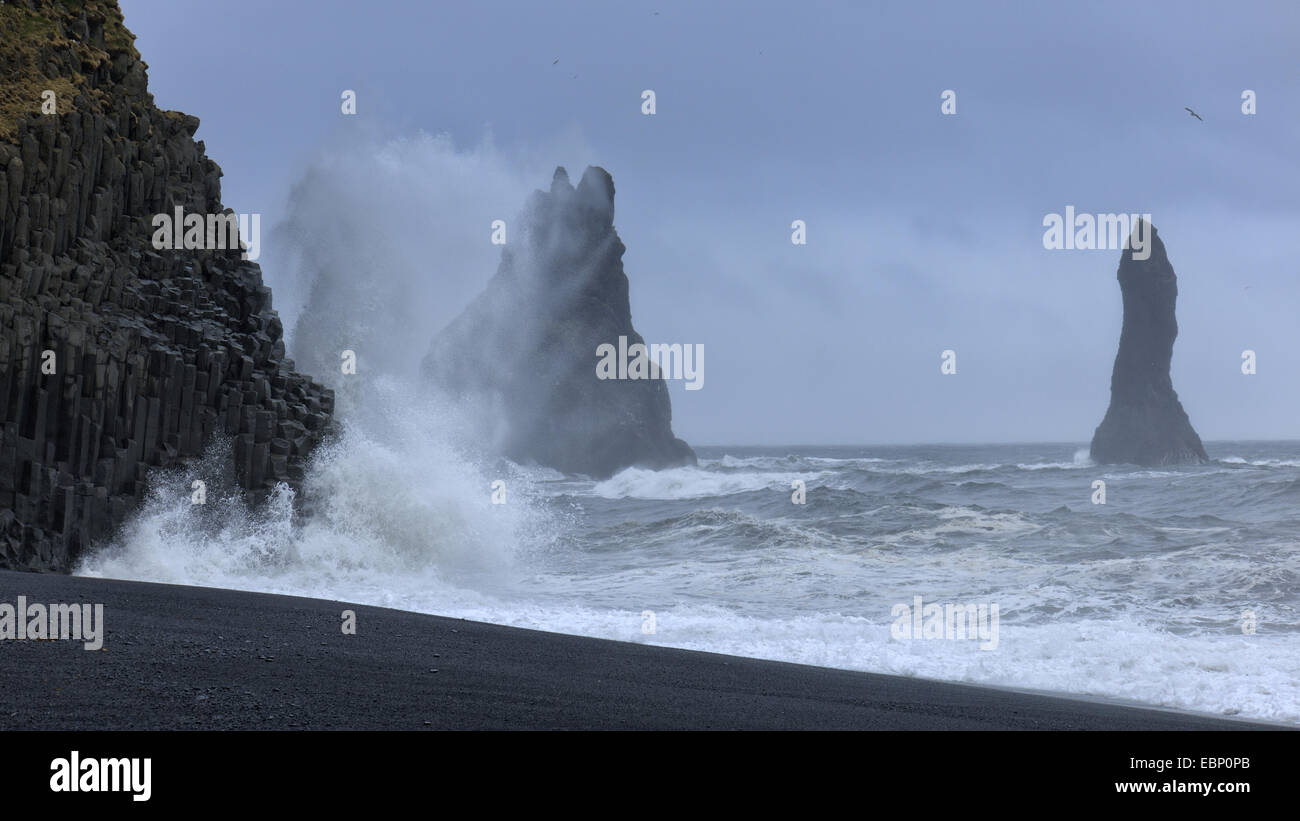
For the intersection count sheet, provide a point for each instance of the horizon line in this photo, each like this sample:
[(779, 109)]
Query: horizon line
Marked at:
[(957, 444)]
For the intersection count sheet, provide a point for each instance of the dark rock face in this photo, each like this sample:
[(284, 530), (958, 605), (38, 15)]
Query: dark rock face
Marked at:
[(1145, 423), (115, 357), (524, 353)]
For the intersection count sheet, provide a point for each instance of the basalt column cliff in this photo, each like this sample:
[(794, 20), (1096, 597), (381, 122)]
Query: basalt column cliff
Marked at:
[(1145, 423), (524, 354), (116, 357)]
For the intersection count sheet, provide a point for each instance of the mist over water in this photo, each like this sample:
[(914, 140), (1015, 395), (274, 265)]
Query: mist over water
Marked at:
[(1140, 599), (384, 244)]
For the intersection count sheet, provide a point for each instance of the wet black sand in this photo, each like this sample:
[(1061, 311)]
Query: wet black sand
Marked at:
[(200, 658)]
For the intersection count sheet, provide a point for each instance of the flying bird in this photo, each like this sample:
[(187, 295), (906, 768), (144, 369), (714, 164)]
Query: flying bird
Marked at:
[(556, 60), (1193, 113)]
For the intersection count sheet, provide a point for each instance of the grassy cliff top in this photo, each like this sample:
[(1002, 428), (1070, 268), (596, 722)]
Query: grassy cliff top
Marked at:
[(59, 46)]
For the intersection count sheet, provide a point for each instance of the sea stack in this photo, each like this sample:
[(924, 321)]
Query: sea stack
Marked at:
[(115, 356), (1145, 423), (523, 355)]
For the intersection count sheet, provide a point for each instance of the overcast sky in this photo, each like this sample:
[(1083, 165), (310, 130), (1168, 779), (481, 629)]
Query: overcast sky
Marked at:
[(924, 231)]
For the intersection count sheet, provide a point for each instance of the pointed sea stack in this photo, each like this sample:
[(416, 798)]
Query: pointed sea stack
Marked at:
[(523, 355), (1146, 424)]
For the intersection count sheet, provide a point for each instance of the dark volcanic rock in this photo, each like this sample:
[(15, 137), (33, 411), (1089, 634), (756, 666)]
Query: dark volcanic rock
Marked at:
[(115, 357), (1145, 423), (523, 355)]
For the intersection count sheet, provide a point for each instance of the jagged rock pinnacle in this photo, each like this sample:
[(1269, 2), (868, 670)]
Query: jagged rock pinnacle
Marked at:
[(1145, 423), (524, 353)]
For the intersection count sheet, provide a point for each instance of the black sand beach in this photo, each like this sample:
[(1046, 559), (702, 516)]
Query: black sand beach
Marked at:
[(199, 658)]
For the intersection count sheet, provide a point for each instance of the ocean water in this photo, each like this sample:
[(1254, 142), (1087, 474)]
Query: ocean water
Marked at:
[(1142, 598)]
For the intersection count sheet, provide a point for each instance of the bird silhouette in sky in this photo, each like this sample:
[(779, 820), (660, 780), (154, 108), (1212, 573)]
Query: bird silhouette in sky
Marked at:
[(1193, 113)]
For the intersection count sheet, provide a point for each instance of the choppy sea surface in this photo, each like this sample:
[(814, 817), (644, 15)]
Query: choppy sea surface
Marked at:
[(1181, 590)]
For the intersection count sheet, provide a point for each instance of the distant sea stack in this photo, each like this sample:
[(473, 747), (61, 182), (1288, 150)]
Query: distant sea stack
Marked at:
[(523, 355), (1145, 423), (116, 357)]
